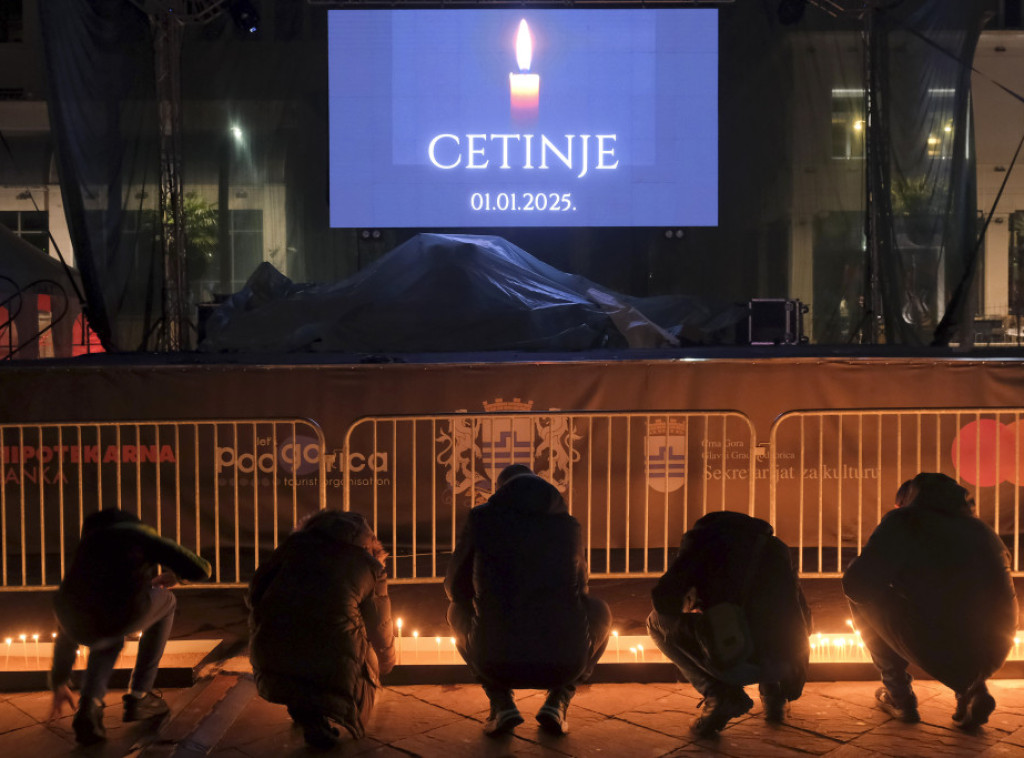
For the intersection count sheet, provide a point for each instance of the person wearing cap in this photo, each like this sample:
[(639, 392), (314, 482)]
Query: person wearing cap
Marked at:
[(731, 560), (320, 625), (110, 590), (519, 606), (932, 587)]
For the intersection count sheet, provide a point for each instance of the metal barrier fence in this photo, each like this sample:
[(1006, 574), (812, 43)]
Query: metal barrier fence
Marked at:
[(635, 481), (834, 474), (225, 488)]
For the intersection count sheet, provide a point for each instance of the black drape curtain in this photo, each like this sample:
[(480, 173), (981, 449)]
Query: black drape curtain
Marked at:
[(926, 187), (793, 195), (99, 62)]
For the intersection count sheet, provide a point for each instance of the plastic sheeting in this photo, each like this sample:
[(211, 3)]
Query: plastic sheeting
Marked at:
[(453, 293)]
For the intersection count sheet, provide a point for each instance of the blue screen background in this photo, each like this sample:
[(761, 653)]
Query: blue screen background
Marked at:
[(399, 78)]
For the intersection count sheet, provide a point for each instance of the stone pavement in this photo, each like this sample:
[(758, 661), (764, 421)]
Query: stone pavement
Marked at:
[(221, 716)]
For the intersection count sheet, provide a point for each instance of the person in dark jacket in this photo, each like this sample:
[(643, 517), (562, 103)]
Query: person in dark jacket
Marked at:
[(519, 608), (320, 625), (729, 557), (932, 587), (110, 590)]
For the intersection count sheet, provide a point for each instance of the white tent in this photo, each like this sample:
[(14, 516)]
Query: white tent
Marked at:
[(29, 279)]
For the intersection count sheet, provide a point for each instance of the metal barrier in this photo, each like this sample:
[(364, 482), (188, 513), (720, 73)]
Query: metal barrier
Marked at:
[(835, 473), (635, 481), (225, 488)]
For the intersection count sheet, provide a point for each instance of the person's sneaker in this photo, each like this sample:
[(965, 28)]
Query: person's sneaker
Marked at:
[(319, 733), (774, 703), (148, 706), (502, 720), (551, 715), (88, 722), (904, 710), (718, 709), (973, 709)]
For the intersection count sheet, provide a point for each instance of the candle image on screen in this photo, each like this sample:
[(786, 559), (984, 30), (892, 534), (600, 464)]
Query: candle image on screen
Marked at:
[(524, 87)]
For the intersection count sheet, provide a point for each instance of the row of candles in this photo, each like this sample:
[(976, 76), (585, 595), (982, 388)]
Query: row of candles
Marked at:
[(825, 648)]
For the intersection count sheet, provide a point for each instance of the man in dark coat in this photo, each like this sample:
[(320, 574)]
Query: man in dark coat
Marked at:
[(519, 609), (932, 587), (320, 625), (112, 589), (729, 557)]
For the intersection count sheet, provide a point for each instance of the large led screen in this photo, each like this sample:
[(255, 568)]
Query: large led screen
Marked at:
[(526, 117)]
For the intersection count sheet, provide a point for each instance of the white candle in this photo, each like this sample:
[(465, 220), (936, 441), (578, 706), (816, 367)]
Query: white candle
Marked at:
[(398, 623), (437, 640), (641, 649), (7, 659), (24, 648), (524, 87), (415, 644), (35, 639), (633, 651)]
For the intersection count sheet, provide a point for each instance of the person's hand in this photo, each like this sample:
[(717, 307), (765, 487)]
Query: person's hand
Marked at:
[(61, 696), (166, 580)]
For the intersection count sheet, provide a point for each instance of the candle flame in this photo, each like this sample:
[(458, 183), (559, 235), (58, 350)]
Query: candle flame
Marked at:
[(524, 46)]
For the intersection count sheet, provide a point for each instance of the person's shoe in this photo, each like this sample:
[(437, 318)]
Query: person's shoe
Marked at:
[(718, 709), (148, 706), (551, 716), (504, 716), (973, 709), (319, 733), (88, 722), (904, 710), (774, 703), (502, 721)]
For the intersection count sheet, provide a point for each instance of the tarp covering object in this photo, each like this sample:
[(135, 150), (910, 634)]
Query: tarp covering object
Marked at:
[(448, 293)]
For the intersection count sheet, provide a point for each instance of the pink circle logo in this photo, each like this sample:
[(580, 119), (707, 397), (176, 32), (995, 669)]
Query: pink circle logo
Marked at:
[(986, 453)]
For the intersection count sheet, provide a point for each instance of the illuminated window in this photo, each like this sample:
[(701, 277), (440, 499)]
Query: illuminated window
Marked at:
[(848, 125)]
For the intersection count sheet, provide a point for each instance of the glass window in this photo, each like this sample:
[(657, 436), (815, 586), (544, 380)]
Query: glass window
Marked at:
[(11, 14), (31, 226), (848, 124)]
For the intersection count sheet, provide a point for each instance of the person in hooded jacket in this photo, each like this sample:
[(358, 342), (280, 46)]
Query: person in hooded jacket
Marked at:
[(320, 625), (932, 587), (112, 589), (520, 610), (729, 557)]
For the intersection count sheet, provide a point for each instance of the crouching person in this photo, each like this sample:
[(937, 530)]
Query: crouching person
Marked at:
[(729, 561), (320, 625), (112, 589), (520, 610), (932, 587)]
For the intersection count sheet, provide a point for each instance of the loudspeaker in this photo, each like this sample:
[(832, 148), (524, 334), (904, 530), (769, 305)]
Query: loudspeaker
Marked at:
[(776, 322)]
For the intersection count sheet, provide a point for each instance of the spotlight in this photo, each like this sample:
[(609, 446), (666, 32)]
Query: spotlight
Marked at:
[(791, 11), (245, 15)]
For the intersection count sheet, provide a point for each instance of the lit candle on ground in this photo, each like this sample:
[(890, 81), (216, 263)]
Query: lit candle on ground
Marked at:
[(24, 648), (641, 649), (524, 87), (635, 655), (415, 644), (35, 639), (7, 658), (437, 640), (615, 634), (398, 624)]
